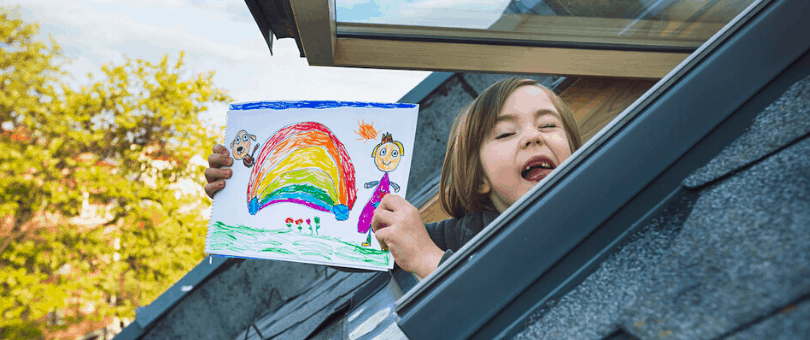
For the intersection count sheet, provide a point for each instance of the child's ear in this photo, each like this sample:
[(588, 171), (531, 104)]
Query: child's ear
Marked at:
[(484, 188)]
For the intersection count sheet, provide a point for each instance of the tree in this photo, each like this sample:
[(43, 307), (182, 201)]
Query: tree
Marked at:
[(93, 216)]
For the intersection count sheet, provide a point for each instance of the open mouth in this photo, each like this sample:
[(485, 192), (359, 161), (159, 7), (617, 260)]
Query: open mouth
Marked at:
[(537, 168), (239, 149)]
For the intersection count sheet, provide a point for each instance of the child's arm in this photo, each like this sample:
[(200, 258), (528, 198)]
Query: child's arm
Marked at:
[(214, 176), (397, 223)]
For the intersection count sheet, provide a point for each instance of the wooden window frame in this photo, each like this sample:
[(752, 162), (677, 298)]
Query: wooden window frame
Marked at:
[(317, 28)]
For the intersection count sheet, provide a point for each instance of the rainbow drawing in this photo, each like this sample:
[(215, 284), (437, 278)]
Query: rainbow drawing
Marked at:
[(304, 164)]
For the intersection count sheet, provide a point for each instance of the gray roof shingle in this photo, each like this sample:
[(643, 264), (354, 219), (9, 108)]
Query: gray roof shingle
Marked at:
[(216, 308), (781, 123), (786, 324), (724, 268), (300, 317)]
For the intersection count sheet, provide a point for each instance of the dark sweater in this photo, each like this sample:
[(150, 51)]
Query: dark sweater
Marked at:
[(451, 234)]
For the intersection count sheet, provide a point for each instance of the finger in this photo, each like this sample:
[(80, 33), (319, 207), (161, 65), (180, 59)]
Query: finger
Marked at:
[(214, 174), (397, 204), (382, 237), (216, 160), (220, 149), (381, 219), (390, 202), (212, 188)]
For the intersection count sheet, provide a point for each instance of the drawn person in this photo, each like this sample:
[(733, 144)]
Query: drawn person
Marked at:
[(387, 156), (241, 145)]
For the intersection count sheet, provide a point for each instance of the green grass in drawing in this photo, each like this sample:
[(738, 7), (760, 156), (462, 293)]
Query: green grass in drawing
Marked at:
[(291, 241)]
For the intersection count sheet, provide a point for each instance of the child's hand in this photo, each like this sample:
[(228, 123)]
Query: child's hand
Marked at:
[(397, 224), (214, 175)]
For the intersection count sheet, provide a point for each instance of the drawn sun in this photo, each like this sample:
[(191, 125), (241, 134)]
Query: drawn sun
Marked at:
[(367, 131)]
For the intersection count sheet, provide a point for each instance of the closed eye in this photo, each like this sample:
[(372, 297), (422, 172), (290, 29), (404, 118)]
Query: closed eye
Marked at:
[(548, 126), (504, 135)]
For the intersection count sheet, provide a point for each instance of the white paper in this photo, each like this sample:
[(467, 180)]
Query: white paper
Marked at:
[(302, 170)]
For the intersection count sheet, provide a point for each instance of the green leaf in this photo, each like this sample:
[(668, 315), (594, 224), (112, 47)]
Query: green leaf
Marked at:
[(84, 166)]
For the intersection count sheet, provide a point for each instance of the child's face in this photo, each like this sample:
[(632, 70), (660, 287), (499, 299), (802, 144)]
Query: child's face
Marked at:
[(527, 143)]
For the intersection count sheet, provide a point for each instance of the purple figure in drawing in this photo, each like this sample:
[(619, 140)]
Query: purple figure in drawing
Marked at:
[(386, 156)]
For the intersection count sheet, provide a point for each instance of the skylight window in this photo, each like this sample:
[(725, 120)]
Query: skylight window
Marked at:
[(654, 25), (621, 38)]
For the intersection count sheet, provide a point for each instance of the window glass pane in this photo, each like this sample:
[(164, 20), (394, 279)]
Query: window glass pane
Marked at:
[(652, 23)]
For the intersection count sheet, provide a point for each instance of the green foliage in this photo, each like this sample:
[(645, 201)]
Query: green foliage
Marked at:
[(117, 150)]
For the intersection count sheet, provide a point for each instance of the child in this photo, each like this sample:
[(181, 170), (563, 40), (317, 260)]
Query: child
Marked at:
[(509, 138)]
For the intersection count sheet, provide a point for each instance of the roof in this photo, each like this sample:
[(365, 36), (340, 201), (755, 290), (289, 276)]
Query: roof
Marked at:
[(147, 315), (226, 302), (729, 257), (327, 299)]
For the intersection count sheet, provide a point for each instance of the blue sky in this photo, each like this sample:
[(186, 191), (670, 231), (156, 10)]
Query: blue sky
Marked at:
[(216, 35)]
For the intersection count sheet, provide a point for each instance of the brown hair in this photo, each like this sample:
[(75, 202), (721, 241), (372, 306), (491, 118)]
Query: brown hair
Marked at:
[(462, 172)]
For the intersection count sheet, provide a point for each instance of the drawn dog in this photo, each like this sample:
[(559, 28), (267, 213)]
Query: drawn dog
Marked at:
[(241, 146)]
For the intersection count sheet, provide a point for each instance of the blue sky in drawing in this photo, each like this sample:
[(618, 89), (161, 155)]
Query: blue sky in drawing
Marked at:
[(216, 35)]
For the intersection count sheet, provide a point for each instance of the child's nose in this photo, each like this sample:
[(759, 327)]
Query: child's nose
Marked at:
[(531, 136)]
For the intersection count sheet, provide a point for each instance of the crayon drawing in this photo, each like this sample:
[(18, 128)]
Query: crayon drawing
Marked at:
[(304, 164), (367, 132), (293, 195), (241, 145), (387, 156)]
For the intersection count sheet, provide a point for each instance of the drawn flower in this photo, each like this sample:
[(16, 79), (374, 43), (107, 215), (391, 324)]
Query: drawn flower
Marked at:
[(298, 222), (289, 222)]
